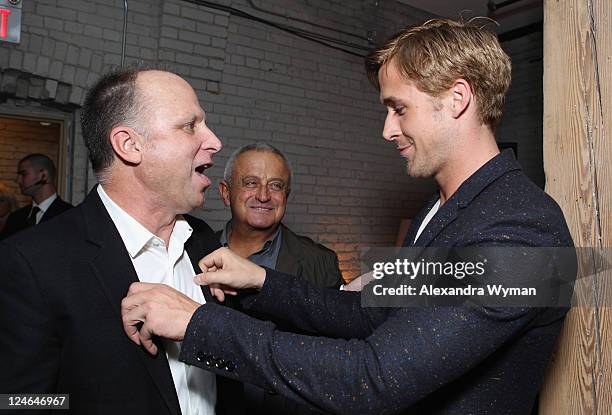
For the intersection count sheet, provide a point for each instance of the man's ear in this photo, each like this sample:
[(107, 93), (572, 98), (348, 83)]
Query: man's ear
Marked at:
[(224, 191), (44, 177), (127, 144), (461, 97)]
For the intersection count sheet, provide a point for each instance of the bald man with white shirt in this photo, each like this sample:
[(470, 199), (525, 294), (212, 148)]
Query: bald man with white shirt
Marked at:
[(61, 290)]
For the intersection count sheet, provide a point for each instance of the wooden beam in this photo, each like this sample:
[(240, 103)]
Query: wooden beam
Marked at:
[(577, 113)]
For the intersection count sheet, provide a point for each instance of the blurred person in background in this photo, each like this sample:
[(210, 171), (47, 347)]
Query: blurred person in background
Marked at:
[(8, 204), (36, 175)]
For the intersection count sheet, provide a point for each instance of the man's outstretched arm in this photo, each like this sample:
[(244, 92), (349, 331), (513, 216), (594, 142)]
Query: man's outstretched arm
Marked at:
[(327, 312)]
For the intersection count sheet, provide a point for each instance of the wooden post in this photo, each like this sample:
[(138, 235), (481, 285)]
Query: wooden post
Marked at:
[(578, 167)]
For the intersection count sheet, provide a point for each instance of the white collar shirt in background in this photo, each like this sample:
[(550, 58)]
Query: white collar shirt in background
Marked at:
[(43, 206)]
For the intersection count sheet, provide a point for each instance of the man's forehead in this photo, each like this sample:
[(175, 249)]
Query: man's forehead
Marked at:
[(250, 162), (392, 84), (168, 93), (152, 83), (389, 70), (24, 165), (383, 71), (389, 80), (154, 75)]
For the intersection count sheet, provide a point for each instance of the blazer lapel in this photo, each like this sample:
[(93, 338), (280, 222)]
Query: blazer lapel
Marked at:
[(196, 250), (446, 214), (289, 259), (112, 267), (18, 220), (469, 189), (52, 211), (417, 220)]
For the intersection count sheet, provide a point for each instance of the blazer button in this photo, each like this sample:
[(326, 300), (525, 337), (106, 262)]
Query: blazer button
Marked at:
[(229, 366), (200, 356), (219, 363)]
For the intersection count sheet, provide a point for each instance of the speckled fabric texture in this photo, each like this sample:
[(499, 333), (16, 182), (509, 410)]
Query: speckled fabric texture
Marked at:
[(436, 360), (304, 258)]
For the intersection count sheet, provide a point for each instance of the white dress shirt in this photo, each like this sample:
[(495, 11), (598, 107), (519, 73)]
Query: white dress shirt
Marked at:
[(154, 262), (43, 206), (367, 277), (428, 218)]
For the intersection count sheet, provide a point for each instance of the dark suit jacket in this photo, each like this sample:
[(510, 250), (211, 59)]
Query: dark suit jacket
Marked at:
[(433, 360), (61, 288), (306, 259), (18, 220), (313, 262)]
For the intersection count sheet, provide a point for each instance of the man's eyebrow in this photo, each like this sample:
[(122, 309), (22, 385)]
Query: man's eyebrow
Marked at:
[(183, 120), (188, 119), (391, 100)]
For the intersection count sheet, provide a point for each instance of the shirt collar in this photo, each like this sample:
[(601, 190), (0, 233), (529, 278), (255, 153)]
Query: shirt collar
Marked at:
[(44, 205), (224, 238), (135, 236)]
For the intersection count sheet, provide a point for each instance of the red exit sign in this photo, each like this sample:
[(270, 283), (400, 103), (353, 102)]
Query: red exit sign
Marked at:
[(10, 21)]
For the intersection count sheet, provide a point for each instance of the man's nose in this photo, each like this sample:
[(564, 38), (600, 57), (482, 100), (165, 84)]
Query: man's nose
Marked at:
[(391, 129), (263, 193), (210, 141)]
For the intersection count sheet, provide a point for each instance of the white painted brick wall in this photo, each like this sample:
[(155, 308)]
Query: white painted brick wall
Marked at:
[(256, 83)]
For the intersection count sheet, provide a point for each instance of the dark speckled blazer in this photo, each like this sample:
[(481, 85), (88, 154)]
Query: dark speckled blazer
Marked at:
[(304, 258), (435, 360)]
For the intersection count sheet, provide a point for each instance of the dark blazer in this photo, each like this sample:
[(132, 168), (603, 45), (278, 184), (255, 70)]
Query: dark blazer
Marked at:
[(301, 256), (313, 262), (18, 220), (304, 258), (429, 360), (61, 288)]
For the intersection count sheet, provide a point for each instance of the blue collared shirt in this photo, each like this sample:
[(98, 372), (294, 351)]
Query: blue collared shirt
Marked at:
[(267, 255)]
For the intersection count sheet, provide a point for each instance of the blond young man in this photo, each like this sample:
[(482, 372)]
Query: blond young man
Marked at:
[(443, 85)]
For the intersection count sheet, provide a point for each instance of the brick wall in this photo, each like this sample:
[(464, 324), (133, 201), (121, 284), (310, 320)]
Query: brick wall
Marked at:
[(256, 83), (316, 105), (523, 115)]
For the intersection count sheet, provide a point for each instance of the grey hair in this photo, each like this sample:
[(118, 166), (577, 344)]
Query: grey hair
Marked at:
[(260, 147)]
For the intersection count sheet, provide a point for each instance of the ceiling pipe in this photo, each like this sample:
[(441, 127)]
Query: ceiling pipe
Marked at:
[(492, 6), (125, 14)]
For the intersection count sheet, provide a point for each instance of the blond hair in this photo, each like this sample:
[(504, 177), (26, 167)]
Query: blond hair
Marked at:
[(440, 51)]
